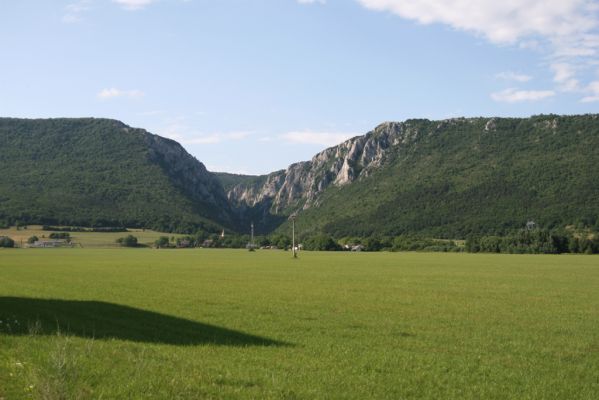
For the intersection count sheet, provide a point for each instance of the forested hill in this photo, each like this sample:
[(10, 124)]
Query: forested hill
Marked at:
[(101, 172), (444, 178)]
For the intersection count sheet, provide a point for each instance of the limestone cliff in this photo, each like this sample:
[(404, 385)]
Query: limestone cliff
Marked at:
[(186, 172), (300, 186)]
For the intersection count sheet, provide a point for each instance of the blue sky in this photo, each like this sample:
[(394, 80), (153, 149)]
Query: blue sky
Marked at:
[(251, 86)]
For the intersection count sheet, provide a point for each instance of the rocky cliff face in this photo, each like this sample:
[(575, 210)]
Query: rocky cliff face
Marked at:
[(186, 172), (301, 185), (190, 176)]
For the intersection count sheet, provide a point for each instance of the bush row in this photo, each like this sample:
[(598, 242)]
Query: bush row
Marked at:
[(537, 241)]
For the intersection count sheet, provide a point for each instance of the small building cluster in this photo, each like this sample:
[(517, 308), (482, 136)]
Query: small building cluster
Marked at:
[(184, 243), (354, 247), (208, 243), (48, 243)]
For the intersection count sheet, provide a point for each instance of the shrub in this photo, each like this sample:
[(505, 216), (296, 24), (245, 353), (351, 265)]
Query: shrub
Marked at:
[(5, 241), (127, 241), (321, 243), (162, 243), (538, 241), (32, 239), (373, 244), (60, 235)]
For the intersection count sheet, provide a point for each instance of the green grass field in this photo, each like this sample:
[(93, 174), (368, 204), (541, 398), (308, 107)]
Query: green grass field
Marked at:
[(86, 239), (167, 324)]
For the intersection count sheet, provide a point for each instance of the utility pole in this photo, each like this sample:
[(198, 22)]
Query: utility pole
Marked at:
[(292, 218), (252, 236)]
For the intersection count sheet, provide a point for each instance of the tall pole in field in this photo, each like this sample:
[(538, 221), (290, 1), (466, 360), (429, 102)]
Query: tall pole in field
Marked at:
[(250, 246), (292, 218)]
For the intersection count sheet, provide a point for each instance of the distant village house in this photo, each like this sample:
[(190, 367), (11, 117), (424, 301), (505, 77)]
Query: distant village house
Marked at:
[(48, 244)]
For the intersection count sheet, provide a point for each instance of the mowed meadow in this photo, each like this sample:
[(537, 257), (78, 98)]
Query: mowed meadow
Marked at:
[(144, 323), (145, 237)]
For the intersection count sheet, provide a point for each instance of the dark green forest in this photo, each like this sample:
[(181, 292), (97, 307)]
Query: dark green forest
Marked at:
[(458, 178), (90, 172), (231, 180), (454, 179)]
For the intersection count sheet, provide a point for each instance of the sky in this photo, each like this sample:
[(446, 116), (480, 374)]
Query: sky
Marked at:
[(251, 86)]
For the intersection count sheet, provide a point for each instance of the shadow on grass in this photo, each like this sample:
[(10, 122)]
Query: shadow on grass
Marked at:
[(100, 320)]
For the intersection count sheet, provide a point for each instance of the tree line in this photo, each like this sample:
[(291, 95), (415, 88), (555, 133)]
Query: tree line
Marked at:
[(537, 241)]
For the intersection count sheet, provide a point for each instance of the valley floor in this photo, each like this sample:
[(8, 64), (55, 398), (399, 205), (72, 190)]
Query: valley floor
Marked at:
[(146, 237), (145, 323)]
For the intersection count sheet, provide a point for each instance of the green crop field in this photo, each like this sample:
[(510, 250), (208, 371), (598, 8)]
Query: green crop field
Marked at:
[(167, 324)]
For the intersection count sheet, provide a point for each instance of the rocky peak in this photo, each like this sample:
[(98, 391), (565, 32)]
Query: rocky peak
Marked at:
[(301, 184)]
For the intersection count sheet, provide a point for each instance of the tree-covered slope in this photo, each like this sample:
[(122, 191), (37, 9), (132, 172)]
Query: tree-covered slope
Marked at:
[(229, 181), (102, 172), (438, 178), (442, 178), (462, 176)]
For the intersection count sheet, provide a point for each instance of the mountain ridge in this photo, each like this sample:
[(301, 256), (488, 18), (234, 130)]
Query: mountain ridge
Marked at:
[(447, 178), (95, 171), (303, 187)]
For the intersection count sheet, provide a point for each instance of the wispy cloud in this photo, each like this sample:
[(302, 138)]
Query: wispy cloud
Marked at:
[(185, 135), (592, 93), (213, 138), (111, 93), (513, 76), (564, 31), (513, 95), (319, 138), (151, 113), (133, 5), (564, 76), (312, 1), (229, 169), (73, 11)]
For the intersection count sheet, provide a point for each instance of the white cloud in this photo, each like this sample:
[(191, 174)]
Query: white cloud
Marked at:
[(111, 93), (201, 139), (71, 18), (565, 31), (230, 169), (564, 75), (185, 135), (73, 11), (513, 76), (320, 138), (134, 4), (239, 135), (513, 95), (593, 93), (499, 21), (151, 113), (213, 138)]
